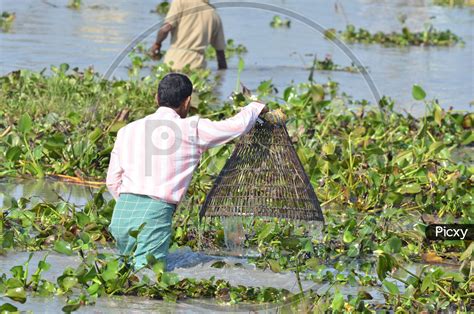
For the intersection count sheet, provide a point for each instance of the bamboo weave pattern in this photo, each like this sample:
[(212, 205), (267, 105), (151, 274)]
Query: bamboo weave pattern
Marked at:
[(263, 177)]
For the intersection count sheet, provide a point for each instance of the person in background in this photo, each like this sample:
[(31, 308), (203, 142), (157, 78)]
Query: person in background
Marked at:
[(152, 163), (194, 25)]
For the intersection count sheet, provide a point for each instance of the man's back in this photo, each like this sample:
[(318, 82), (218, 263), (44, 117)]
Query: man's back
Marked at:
[(157, 155), (195, 25)]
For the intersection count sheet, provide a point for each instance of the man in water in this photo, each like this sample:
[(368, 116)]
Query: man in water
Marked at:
[(152, 163), (193, 24)]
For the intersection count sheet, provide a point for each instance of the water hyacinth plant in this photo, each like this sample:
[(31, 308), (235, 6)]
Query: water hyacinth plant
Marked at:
[(162, 8), (278, 22), (428, 37), (453, 3), (380, 175)]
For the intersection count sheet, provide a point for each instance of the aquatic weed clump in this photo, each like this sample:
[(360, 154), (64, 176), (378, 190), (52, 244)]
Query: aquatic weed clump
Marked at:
[(453, 3), (162, 8), (328, 64), (428, 37), (279, 22)]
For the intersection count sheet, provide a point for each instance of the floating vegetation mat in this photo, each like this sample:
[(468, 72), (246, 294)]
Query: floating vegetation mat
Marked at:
[(453, 3), (381, 177), (327, 64), (428, 37)]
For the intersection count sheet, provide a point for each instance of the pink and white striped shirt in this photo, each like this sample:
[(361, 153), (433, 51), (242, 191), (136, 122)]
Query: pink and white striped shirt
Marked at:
[(157, 155)]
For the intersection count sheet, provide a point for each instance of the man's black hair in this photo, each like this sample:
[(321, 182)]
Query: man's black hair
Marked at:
[(173, 89)]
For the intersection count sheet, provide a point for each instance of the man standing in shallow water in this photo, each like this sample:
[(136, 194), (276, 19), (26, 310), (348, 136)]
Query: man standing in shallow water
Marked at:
[(148, 184), (193, 24)]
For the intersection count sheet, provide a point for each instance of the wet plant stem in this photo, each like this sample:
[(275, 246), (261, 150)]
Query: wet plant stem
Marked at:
[(414, 207), (450, 296), (298, 277), (401, 280), (332, 199), (351, 163), (403, 297), (409, 272)]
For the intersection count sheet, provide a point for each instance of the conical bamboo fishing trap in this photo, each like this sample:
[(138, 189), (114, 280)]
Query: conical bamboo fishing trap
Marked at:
[(263, 177)]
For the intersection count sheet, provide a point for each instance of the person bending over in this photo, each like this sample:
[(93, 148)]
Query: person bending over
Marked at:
[(152, 163)]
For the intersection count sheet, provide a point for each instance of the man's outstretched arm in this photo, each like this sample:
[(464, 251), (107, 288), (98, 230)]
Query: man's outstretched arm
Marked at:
[(115, 171), (213, 133), (160, 37), (171, 20)]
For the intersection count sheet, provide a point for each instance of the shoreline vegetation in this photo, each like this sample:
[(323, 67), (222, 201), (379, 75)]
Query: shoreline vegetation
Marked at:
[(381, 177)]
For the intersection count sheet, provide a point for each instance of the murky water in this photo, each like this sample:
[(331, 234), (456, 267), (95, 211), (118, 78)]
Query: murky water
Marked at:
[(186, 264), (44, 190), (46, 32), (234, 233)]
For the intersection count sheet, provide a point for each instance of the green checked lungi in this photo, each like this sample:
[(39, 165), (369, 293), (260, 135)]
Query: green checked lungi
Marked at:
[(130, 212)]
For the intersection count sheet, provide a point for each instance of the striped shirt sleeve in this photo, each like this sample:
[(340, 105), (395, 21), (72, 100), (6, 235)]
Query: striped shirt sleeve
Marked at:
[(115, 171), (214, 133)]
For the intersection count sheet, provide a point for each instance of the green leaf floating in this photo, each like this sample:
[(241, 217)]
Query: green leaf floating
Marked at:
[(418, 93)]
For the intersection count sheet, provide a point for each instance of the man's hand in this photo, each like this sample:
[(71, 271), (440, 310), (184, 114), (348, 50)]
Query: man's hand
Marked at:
[(275, 117), (155, 50), (264, 110)]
